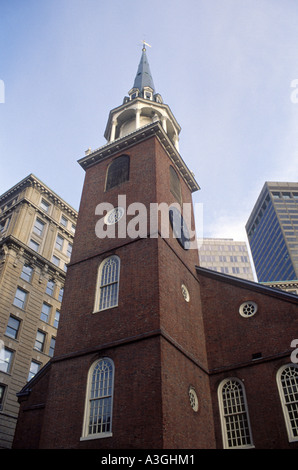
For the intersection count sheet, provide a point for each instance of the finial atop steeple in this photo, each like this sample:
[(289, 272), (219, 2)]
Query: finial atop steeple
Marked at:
[(145, 44)]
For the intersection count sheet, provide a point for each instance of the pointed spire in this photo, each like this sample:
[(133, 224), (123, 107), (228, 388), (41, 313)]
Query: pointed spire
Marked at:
[(143, 77)]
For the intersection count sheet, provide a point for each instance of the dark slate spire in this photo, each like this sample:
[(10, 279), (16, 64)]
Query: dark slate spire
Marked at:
[(143, 77)]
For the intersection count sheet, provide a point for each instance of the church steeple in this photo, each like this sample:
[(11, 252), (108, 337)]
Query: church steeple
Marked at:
[(142, 107), (143, 78)]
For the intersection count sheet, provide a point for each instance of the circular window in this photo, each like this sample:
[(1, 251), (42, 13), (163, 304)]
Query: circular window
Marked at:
[(248, 309), (113, 215), (185, 292), (193, 398)]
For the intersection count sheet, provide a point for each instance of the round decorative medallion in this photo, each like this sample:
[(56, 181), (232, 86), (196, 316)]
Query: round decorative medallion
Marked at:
[(114, 215), (193, 398), (185, 293), (248, 309)]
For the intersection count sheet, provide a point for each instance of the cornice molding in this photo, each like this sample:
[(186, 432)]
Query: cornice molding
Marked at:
[(32, 180), (141, 134)]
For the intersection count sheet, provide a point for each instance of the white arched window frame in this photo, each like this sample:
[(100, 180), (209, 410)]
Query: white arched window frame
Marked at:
[(99, 400), (107, 288), (235, 424), (287, 382)]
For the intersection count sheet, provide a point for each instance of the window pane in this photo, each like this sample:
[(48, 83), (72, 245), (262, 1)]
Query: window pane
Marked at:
[(57, 317), (289, 382), (39, 342), (52, 347), (12, 327), (44, 205), (5, 360), (109, 283), (100, 407), (38, 227), (34, 245), (45, 312), (2, 390), (50, 287), (26, 272), (34, 368), (59, 243), (235, 415), (118, 172), (55, 260), (20, 298)]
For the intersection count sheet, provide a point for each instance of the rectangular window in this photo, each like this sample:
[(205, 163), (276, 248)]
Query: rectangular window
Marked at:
[(6, 360), (12, 328), (45, 312), (55, 260), (59, 243), (45, 205), (52, 347), (4, 224), (69, 250), (224, 270), (40, 340), (20, 298), (26, 273), (61, 292), (34, 368), (38, 227), (63, 221), (2, 392), (34, 245), (57, 318), (50, 288)]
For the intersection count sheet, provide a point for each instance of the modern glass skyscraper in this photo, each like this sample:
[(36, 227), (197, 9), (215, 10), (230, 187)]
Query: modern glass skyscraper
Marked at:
[(272, 231)]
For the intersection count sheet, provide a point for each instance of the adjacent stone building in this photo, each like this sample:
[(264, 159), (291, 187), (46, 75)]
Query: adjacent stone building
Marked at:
[(36, 236)]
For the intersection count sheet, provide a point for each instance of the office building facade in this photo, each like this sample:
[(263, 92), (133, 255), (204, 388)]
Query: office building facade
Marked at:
[(226, 256), (272, 231)]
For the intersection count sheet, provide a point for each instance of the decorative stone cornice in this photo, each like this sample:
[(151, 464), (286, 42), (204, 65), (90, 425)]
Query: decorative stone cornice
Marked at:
[(32, 180)]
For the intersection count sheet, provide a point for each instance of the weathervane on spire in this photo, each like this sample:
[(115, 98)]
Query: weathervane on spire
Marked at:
[(145, 44)]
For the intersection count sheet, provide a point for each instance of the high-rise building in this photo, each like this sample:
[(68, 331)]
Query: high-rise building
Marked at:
[(154, 351), (36, 236), (226, 255), (272, 231)]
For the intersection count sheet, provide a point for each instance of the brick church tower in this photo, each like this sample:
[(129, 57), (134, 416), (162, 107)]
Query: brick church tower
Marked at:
[(152, 352)]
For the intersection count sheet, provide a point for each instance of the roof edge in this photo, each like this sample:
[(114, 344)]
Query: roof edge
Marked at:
[(246, 284)]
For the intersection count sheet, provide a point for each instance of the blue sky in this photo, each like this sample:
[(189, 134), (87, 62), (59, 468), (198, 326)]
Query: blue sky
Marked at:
[(224, 67)]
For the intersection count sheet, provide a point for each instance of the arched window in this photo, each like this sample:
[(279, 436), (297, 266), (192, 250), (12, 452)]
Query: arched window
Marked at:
[(118, 172), (175, 185), (234, 416), (99, 400), (287, 382), (107, 284)]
